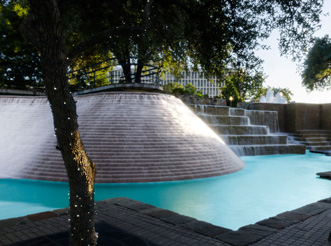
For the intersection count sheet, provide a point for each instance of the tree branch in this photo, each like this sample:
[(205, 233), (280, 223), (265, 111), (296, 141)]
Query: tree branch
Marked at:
[(183, 5), (179, 4), (104, 36), (29, 31)]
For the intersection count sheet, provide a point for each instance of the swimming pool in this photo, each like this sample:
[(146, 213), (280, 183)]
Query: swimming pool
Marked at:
[(268, 185)]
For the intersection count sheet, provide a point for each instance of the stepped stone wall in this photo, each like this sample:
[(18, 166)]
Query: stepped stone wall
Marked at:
[(248, 132), (297, 116)]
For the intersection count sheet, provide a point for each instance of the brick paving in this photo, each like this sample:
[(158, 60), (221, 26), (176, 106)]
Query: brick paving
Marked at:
[(313, 231), (308, 225), (138, 220)]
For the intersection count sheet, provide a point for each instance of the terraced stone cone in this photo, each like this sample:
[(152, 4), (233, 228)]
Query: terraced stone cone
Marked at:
[(132, 137)]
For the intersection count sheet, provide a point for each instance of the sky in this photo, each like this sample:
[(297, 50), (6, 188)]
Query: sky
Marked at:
[(282, 72)]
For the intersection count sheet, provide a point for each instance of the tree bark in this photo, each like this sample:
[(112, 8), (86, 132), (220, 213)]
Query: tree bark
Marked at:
[(80, 168), (140, 67), (126, 66)]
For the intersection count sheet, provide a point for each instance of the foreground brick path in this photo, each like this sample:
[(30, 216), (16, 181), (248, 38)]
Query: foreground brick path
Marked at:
[(309, 225), (313, 231), (142, 224)]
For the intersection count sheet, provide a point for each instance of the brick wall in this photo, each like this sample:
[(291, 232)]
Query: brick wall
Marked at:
[(326, 116), (297, 116)]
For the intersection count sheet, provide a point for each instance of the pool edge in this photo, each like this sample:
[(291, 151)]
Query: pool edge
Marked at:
[(243, 236)]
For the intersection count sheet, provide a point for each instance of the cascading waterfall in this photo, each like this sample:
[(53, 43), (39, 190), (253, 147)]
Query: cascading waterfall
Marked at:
[(262, 117), (249, 132), (26, 127), (132, 137), (261, 139)]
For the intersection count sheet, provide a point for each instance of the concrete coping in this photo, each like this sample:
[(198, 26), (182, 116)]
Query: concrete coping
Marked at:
[(122, 87), (324, 175), (243, 236)]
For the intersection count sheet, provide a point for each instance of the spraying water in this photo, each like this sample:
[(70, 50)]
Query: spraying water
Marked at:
[(26, 127), (270, 98), (132, 137)]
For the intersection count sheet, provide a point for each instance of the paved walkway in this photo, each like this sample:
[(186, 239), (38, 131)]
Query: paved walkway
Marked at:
[(122, 221)]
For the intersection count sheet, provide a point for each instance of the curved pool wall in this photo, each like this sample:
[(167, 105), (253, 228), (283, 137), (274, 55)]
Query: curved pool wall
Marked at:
[(267, 186), (131, 136)]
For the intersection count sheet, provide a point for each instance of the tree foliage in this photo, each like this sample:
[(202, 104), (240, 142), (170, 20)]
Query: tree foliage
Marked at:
[(178, 89), (90, 73), (285, 92), (14, 50), (317, 66), (241, 86), (19, 60), (210, 35)]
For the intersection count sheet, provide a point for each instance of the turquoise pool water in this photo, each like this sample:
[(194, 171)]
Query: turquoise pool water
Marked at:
[(268, 185)]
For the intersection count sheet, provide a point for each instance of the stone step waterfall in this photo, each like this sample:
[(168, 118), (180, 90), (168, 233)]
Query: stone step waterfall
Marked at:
[(318, 141), (248, 132)]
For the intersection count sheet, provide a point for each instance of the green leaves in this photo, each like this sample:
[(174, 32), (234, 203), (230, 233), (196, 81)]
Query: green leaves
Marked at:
[(20, 10), (15, 51), (242, 85), (317, 66), (178, 89), (209, 35)]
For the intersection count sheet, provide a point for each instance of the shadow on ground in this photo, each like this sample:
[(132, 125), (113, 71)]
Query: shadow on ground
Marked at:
[(108, 235)]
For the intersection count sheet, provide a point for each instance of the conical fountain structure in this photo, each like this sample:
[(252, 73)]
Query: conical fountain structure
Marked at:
[(131, 136)]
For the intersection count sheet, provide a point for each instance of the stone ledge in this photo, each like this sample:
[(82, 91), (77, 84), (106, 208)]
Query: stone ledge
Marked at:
[(259, 230), (14, 222), (122, 87), (327, 200), (244, 236), (178, 219), (313, 208), (278, 222), (61, 211), (130, 203), (324, 175), (41, 216), (205, 228), (239, 238), (158, 213), (294, 215)]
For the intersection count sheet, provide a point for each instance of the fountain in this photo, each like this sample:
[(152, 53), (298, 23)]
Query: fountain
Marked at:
[(270, 98), (248, 132), (131, 136)]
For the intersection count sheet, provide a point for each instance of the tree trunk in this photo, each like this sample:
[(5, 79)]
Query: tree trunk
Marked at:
[(80, 168), (126, 66), (140, 67)]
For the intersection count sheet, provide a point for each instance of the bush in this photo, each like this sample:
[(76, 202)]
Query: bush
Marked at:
[(178, 89)]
